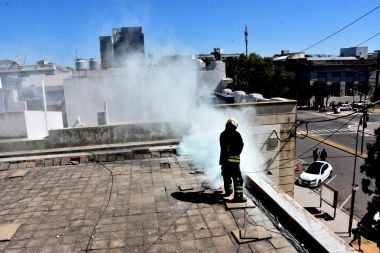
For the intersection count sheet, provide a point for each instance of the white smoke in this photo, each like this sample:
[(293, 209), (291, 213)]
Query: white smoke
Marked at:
[(170, 92), (202, 142)]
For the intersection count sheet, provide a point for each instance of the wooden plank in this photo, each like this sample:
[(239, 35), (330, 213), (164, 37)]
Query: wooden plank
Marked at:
[(7, 231), (18, 173)]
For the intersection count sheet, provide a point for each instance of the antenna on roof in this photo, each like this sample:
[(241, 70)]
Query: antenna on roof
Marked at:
[(75, 47), (246, 40)]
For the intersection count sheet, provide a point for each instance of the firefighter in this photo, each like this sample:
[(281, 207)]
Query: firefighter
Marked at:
[(231, 145)]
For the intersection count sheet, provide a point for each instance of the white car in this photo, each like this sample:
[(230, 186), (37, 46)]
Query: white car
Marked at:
[(315, 173), (345, 107)]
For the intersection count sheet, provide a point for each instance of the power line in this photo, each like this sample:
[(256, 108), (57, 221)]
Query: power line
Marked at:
[(108, 202), (348, 50), (319, 121), (342, 28)]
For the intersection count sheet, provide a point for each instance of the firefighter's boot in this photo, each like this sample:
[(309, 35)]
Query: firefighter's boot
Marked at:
[(228, 190), (238, 197)]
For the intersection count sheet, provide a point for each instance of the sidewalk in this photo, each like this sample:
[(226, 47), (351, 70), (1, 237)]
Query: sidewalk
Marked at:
[(339, 225)]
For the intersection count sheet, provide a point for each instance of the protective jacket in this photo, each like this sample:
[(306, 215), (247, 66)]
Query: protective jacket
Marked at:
[(231, 145)]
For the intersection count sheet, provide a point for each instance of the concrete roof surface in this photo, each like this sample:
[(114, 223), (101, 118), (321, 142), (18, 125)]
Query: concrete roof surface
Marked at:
[(130, 205)]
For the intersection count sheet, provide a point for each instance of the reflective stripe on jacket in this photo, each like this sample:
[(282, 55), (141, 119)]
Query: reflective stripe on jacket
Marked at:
[(233, 159)]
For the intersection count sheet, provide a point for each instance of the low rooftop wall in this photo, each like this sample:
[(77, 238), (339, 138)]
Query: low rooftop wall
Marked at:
[(101, 135), (299, 222)]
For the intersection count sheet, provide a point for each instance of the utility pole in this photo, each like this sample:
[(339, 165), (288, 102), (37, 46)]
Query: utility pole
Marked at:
[(354, 185), (246, 40), (364, 119)]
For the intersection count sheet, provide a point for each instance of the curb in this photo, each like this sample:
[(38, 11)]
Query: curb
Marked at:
[(335, 145)]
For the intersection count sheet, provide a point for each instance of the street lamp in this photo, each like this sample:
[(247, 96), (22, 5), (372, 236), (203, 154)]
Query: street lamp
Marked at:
[(364, 118), (355, 187)]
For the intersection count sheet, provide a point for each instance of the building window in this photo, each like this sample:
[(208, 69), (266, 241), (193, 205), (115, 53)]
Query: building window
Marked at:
[(335, 90), (363, 77), (335, 77), (322, 76), (350, 74)]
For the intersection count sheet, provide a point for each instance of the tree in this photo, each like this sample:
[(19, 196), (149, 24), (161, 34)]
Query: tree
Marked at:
[(334, 89), (237, 70), (256, 74), (363, 88), (371, 168), (206, 60), (303, 94), (320, 91)]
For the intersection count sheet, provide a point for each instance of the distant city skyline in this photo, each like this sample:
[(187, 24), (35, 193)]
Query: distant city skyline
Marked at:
[(63, 30)]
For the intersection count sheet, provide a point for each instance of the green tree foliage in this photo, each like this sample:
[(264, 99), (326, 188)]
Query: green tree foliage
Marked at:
[(206, 60), (237, 70), (303, 94), (334, 90), (320, 91), (371, 168), (363, 88), (255, 74)]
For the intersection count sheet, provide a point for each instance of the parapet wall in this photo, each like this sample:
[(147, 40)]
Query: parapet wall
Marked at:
[(102, 135), (309, 231)]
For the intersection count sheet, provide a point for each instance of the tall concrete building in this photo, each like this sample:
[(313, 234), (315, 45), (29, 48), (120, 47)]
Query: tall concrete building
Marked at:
[(126, 44)]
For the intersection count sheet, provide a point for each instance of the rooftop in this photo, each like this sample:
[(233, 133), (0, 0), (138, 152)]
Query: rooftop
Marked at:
[(124, 203)]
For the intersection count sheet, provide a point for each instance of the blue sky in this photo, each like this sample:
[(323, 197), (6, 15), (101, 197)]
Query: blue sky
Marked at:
[(55, 30)]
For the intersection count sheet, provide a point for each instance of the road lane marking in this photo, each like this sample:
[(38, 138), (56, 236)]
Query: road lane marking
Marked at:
[(331, 179), (328, 182), (335, 145), (299, 160), (341, 206)]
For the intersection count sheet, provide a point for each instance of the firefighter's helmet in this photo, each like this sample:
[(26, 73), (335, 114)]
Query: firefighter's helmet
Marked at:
[(232, 122)]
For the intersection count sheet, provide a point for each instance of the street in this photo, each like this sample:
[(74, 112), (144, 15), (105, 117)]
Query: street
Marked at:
[(340, 130), (342, 133)]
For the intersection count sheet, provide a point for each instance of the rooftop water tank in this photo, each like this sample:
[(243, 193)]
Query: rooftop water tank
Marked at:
[(80, 64), (93, 64)]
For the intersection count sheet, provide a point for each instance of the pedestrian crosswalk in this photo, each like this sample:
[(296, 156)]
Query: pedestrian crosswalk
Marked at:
[(330, 131), (299, 161)]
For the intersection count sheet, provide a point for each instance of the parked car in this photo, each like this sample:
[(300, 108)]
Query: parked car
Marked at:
[(345, 107), (315, 173)]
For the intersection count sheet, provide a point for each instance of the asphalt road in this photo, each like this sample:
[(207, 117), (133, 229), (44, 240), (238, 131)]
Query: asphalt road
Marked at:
[(341, 161), (340, 130)]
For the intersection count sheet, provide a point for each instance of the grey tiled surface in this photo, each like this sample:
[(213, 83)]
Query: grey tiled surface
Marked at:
[(137, 208)]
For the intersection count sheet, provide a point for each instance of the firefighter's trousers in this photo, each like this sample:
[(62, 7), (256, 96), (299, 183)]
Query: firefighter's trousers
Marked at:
[(231, 172)]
